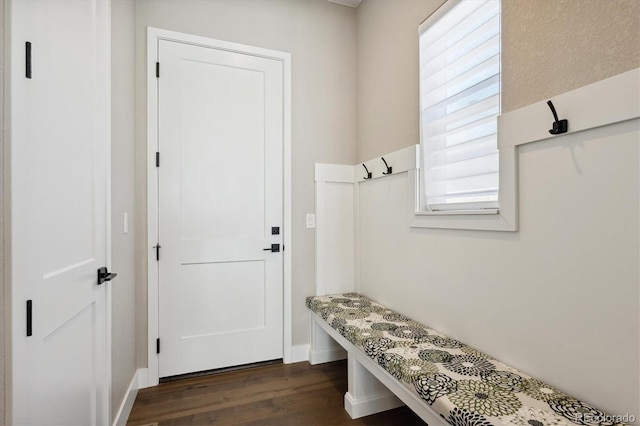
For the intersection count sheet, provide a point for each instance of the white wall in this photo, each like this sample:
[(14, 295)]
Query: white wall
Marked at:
[(123, 338), (560, 298), (3, 314), (321, 38)]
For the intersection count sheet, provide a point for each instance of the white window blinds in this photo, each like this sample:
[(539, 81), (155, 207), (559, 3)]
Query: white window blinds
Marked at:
[(459, 105)]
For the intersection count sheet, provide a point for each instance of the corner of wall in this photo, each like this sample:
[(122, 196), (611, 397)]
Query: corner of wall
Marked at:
[(3, 318)]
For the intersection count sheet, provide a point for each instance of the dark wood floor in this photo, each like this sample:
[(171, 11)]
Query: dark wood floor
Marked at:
[(293, 394)]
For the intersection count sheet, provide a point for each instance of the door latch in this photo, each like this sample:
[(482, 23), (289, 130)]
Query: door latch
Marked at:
[(105, 275), (275, 248)]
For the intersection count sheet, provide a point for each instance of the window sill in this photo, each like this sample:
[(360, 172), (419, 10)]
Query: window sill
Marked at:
[(456, 212), (502, 219)]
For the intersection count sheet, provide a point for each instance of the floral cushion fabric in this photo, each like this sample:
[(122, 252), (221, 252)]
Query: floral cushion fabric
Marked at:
[(462, 384)]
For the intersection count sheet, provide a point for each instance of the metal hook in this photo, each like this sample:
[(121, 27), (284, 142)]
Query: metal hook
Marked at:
[(368, 176), (389, 169), (559, 126)]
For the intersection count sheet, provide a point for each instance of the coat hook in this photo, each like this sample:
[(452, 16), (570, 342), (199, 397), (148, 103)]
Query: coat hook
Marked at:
[(559, 126), (389, 169), (368, 176)]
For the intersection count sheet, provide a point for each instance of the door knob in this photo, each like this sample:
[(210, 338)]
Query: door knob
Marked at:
[(105, 275), (275, 248)]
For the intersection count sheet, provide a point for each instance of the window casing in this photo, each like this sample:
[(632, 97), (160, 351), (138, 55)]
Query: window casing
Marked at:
[(459, 105)]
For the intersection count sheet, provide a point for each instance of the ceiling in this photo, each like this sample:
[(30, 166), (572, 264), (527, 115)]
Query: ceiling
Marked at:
[(351, 3)]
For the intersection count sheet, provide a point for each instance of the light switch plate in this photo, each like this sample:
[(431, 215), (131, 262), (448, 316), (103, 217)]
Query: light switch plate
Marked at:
[(125, 223), (311, 220)]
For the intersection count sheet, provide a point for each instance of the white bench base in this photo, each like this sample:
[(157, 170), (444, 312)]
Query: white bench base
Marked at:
[(366, 395), (323, 347), (371, 389)]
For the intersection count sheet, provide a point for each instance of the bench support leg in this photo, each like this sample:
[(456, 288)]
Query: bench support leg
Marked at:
[(366, 394), (323, 347)]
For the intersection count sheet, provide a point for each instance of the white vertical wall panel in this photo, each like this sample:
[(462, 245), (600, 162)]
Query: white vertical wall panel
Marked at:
[(335, 229), (557, 299)]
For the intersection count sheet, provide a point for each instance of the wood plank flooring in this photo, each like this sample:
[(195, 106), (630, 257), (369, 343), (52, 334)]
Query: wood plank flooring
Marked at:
[(293, 394)]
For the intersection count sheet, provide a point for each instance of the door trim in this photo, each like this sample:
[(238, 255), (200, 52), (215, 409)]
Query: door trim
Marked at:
[(154, 35)]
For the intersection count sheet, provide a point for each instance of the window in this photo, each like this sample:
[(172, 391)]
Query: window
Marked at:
[(459, 105)]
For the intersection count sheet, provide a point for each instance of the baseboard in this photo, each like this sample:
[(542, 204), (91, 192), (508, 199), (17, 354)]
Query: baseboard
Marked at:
[(298, 353), (370, 405), (326, 355), (122, 415), (143, 378)]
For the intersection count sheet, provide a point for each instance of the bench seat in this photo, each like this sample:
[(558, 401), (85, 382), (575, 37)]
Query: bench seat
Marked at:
[(461, 384)]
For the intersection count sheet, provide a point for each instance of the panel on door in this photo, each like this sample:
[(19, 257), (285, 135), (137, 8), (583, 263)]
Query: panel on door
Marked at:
[(59, 145), (220, 193)]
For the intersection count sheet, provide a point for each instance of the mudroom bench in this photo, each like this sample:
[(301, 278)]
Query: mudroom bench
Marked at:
[(393, 360)]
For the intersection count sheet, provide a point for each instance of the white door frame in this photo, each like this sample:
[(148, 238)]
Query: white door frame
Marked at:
[(154, 35)]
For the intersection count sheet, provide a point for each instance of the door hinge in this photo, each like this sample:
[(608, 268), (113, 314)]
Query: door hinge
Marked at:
[(158, 345), (157, 159), (157, 69), (27, 72), (29, 318), (157, 247)]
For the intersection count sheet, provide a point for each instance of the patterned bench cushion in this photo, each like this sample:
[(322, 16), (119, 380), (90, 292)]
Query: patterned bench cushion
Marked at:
[(462, 384)]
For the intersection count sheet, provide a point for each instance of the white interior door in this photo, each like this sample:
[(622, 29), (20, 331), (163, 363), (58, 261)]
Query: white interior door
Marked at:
[(220, 116), (59, 180)]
